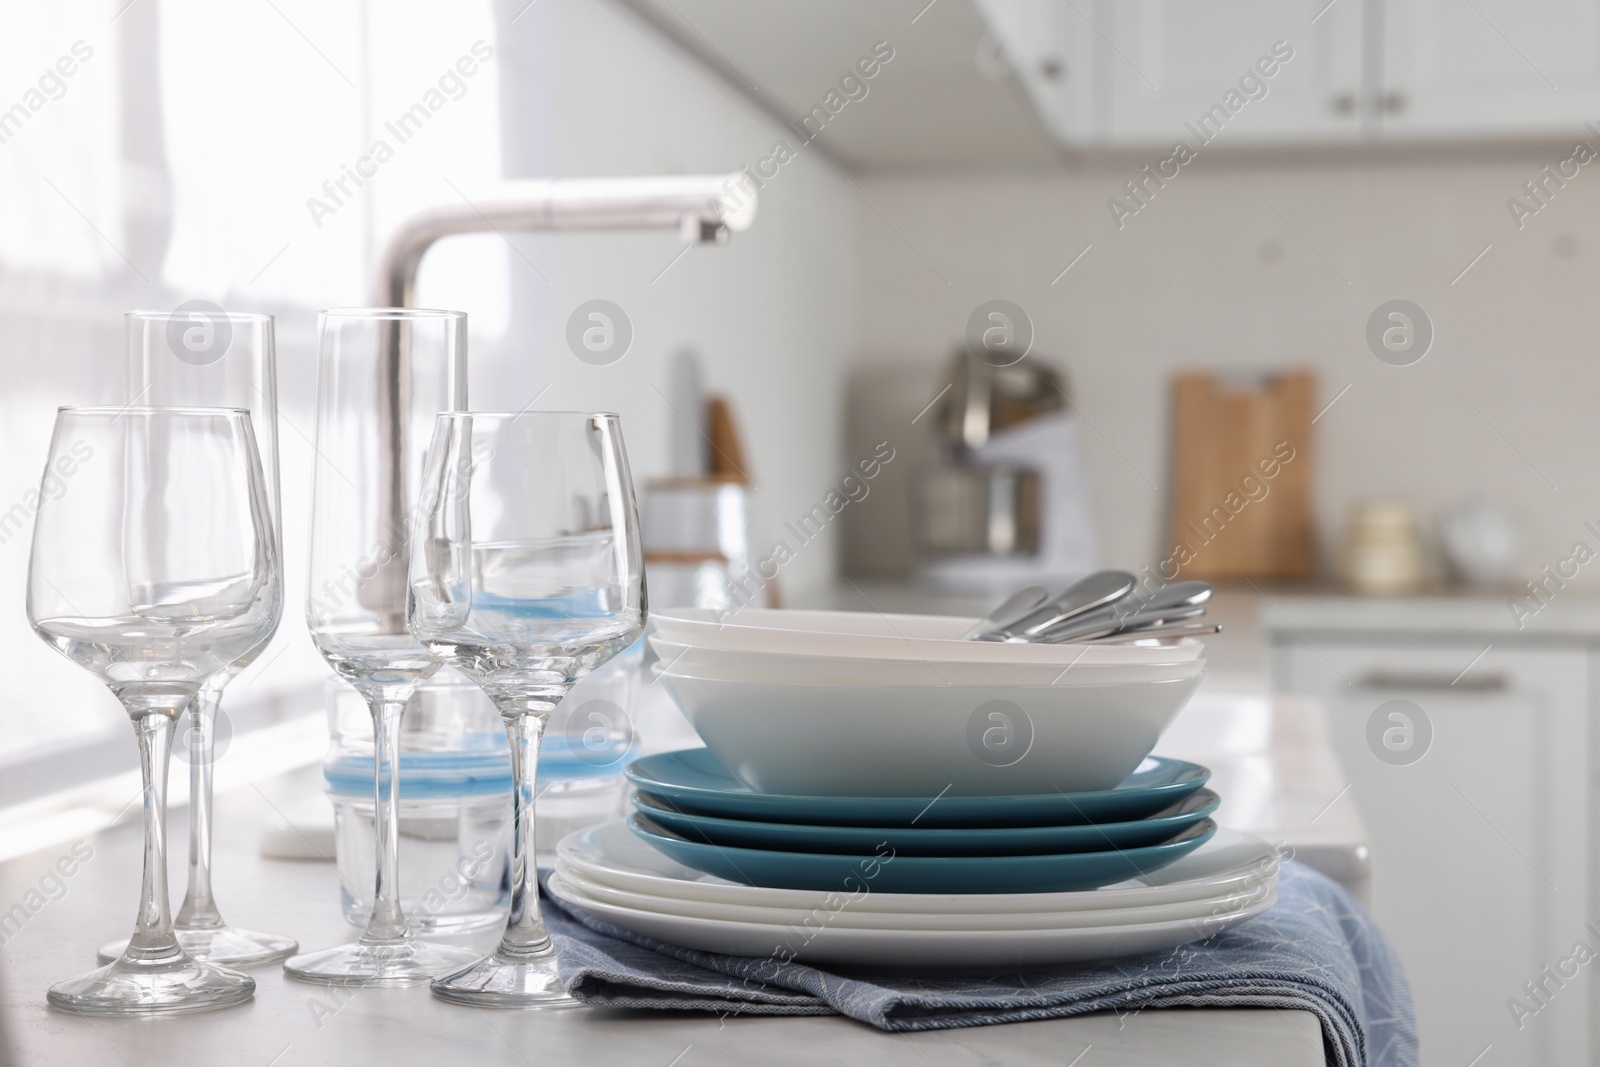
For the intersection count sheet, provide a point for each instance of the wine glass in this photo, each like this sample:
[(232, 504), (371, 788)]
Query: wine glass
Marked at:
[(207, 357), (154, 565), (383, 373), (526, 574)]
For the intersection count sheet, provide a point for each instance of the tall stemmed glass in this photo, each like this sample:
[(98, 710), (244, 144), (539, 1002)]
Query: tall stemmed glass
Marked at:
[(383, 373), (154, 566), (207, 357), (526, 574)]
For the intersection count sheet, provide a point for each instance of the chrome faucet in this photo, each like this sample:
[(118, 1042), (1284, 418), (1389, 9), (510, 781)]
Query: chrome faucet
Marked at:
[(705, 208)]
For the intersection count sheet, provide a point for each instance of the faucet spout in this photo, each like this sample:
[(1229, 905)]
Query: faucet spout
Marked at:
[(705, 208)]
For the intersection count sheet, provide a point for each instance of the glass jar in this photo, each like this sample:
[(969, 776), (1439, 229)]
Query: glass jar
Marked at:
[(455, 791)]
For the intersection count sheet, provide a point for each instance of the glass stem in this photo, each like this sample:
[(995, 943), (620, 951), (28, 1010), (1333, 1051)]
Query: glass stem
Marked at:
[(199, 909), (387, 926), (525, 720), (152, 936)]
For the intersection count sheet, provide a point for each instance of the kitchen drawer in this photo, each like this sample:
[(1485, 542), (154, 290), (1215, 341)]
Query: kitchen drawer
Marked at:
[(1475, 791)]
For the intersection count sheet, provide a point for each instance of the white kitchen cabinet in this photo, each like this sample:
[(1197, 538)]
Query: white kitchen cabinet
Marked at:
[(1488, 68), (1362, 70), (1048, 47), (1481, 847), (1169, 63)]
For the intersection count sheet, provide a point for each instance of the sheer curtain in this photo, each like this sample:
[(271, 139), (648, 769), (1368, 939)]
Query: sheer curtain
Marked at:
[(160, 151)]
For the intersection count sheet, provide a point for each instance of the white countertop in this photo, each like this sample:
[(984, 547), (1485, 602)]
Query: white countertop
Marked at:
[(1271, 761), (289, 1024), (1561, 617)]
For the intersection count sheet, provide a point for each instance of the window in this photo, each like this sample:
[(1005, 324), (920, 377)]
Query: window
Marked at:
[(165, 150)]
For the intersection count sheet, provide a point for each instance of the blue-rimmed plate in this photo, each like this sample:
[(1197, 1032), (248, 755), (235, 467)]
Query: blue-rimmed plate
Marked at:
[(919, 841), (693, 781), (887, 871)]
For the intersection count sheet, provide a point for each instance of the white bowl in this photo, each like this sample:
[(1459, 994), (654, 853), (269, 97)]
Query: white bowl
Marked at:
[(851, 740), (859, 670), (871, 635)]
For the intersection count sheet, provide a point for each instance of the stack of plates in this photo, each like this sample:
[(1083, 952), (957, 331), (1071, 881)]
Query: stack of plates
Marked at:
[(710, 863), (617, 877), (876, 791)]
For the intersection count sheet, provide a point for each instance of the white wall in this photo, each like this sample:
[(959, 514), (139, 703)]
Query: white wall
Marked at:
[(588, 89), (1210, 274), (576, 87)]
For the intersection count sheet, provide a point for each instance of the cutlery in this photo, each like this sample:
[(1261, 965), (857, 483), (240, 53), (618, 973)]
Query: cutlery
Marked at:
[(1012, 609), (1168, 605), (1097, 590), (1197, 630), (1177, 595), (1108, 620), (1097, 607)]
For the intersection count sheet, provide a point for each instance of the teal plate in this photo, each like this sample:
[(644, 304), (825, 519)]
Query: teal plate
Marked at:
[(886, 871), (917, 841), (693, 781)]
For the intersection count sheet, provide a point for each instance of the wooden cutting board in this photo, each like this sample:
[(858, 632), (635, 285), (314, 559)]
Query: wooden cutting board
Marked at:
[(1240, 502)]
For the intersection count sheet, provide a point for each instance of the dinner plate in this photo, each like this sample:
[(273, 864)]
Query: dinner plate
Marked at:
[(842, 910), (695, 782), (823, 942), (917, 841), (893, 873), (609, 853)]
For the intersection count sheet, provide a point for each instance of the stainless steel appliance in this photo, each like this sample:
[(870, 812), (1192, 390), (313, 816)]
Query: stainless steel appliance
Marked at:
[(1004, 503)]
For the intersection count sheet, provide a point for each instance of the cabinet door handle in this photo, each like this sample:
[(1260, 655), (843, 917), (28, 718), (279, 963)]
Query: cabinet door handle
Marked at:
[(1344, 104), (1481, 683), (1393, 103)]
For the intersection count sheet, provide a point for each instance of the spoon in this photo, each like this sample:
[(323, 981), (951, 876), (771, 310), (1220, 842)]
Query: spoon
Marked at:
[(1193, 630), (1106, 621), (1162, 632), (1180, 600), (1176, 595), (1095, 591), (1012, 609)]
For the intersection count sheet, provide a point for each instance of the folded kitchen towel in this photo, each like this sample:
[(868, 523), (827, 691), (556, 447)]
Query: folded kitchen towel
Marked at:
[(1316, 950)]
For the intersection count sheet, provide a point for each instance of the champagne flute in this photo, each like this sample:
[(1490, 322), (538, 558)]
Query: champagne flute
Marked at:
[(155, 566), (207, 357), (383, 373), (526, 574)]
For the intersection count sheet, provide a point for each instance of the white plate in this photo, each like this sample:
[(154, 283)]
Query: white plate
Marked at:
[(825, 942), (859, 670), (610, 854), (873, 635), (845, 915), (909, 741)]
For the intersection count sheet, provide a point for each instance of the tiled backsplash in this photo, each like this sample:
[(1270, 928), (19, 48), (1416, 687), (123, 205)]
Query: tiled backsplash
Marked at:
[(1242, 265)]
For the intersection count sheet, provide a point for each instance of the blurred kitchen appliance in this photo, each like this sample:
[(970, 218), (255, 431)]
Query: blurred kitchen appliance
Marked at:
[(1005, 502), (1240, 502)]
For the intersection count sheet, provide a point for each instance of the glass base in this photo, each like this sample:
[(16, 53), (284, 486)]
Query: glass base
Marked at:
[(224, 945), (152, 987), (503, 981), (359, 965)]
